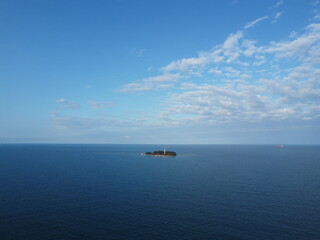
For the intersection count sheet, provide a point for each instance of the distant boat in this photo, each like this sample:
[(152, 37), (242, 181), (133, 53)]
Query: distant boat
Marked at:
[(280, 146)]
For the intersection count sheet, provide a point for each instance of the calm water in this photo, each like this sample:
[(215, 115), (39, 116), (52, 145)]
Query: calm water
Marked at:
[(112, 192)]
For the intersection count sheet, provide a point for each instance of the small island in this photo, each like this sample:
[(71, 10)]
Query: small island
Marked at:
[(163, 153)]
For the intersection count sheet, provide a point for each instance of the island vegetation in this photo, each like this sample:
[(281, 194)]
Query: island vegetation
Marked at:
[(161, 153)]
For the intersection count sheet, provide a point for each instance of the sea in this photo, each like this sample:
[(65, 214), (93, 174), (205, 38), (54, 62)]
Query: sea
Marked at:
[(209, 192)]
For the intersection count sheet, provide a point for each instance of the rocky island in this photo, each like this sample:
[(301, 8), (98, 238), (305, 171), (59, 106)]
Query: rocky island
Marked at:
[(163, 153)]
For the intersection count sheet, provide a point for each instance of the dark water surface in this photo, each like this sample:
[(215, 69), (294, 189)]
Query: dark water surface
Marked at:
[(206, 192)]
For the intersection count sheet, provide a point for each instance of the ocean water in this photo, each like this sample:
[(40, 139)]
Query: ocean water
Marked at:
[(63, 192)]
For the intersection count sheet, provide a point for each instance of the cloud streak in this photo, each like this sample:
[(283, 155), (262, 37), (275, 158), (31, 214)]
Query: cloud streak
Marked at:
[(253, 23), (278, 4), (276, 16)]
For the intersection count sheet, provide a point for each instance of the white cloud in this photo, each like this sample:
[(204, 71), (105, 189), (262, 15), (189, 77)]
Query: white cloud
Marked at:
[(232, 40), (185, 64), (64, 104), (268, 100), (278, 4), (253, 23), (276, 16), (294, 96), (293, 34), (100, 104), (229, 51), (231, 48), (242, 81), (215, 71), (249, 48), (156, 83), (137, 52), (305, 48)]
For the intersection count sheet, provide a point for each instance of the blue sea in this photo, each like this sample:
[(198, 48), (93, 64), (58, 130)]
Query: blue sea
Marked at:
[(63, 192)]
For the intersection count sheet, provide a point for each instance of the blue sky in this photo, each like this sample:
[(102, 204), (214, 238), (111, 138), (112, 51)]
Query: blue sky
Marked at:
[(163, 72)]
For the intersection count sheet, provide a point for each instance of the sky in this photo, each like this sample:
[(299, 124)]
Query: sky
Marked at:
[(160, 72)]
